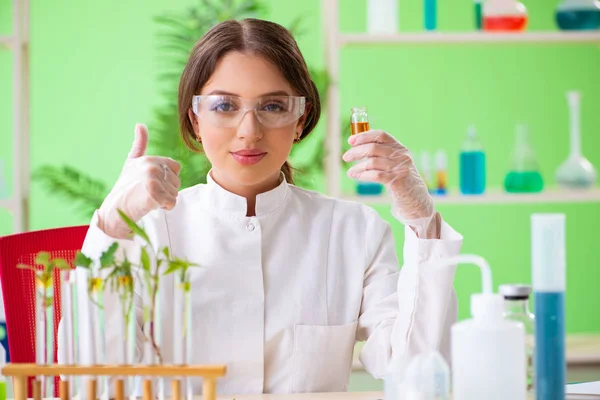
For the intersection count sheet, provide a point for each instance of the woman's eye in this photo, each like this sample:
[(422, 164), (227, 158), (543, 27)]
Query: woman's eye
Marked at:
[(223, 107), (273, 107)]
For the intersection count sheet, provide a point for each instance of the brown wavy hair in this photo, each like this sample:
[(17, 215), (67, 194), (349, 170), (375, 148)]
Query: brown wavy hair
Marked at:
[(264, 38)]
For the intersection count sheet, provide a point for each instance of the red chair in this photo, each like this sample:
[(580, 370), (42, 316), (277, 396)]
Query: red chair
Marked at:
[(18, 285)]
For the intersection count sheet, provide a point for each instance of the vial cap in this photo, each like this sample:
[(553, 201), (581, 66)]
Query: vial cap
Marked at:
[(358, 110), (515, 291)]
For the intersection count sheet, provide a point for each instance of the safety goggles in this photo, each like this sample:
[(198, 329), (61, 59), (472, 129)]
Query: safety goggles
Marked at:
[(228, 111)]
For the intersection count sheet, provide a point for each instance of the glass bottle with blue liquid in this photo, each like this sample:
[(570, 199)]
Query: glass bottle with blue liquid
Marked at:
[(472, 165), (578, 15), (359, 122)]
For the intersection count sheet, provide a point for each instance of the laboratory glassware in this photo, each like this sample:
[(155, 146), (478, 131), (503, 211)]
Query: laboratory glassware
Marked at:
[(472, 165), (516, 308), (504, 16), (576, 172), (548, 270), (578, 15), (524, 175)]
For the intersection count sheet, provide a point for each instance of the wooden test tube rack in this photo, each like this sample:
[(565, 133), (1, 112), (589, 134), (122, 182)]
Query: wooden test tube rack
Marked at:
[(21, 372)]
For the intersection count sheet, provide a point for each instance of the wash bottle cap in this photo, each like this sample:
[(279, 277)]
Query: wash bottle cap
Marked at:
[(548, 252)]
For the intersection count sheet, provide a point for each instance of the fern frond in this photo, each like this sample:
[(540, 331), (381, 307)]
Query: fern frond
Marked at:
[(83, 191)]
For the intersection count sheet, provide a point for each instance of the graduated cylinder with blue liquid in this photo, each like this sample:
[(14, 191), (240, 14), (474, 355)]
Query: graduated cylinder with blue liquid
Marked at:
[(548, 267)]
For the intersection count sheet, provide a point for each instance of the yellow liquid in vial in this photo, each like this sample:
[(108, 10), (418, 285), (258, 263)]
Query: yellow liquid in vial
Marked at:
[(359, 127)]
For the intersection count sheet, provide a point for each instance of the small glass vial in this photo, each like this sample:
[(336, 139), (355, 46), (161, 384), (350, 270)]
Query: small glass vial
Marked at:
[(359, 120), (516, 307), (359, 123), (504, 16)]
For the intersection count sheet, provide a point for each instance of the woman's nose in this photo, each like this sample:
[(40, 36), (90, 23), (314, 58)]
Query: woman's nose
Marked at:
[(249, 127)]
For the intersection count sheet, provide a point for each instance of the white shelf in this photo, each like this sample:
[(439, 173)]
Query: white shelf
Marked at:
[(499, 197), (469, 37)]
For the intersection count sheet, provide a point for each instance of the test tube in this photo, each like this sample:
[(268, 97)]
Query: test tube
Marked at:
[(67, 282), (548, 267)]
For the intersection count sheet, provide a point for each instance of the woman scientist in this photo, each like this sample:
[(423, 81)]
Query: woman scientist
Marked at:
[(289, 279)]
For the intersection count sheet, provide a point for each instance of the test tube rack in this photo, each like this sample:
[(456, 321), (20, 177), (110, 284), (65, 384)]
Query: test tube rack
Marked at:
[(21, 372)]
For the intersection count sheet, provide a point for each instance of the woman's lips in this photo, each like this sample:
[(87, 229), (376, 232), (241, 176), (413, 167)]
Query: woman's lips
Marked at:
[(248, 156)]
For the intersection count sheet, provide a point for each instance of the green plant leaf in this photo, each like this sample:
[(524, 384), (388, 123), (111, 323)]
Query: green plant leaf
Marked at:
[(81, 260), (134, 227), (83, 191), (61, 263), (145, 259), (107, 258), (24, 266), (42, 258)]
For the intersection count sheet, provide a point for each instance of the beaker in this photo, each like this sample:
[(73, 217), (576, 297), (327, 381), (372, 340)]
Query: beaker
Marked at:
[(523, 175), (576, 172), (504, 16), (578, 15)]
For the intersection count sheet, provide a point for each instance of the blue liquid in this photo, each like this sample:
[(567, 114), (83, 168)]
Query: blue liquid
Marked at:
[(550, 367), (472, 172), (368, 188), (578, 19), (430, 14)]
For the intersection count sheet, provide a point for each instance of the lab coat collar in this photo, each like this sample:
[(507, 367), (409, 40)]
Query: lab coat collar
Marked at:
[(222, 200)]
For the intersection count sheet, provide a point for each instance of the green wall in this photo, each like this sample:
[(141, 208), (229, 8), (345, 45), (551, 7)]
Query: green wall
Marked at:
[(93, 76)]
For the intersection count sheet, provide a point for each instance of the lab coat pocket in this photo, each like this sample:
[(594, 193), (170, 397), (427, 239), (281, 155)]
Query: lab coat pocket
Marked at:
[(322, 357)]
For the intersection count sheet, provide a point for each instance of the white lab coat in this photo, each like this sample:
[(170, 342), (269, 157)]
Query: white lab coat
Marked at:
[(282, 297)]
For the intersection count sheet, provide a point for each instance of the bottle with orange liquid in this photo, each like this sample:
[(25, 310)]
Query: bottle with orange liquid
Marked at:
[(359, 122), (504, 16)]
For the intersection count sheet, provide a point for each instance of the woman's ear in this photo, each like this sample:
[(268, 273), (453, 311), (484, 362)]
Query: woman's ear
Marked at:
[(302, 121), (194, 123), (193, 120)]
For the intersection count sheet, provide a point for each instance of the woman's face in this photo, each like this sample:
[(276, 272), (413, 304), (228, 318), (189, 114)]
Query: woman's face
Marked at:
[(246, 157)]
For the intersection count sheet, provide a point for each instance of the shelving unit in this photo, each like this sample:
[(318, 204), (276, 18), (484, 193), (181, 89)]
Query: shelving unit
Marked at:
[(335, 41), (499, 197), (18, 43), (470, 37)]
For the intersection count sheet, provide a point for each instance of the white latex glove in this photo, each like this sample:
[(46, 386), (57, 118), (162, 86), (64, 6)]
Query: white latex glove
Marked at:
[(384, 160), (145, 184)]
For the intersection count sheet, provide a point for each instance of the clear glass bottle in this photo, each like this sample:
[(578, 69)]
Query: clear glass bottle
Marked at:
[(359, 123), (578, 15), (516, 308), (472, 164), (504, 16), (524, 175)]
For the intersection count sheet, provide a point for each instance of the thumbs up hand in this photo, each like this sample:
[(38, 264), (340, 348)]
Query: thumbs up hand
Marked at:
[(145, 184)]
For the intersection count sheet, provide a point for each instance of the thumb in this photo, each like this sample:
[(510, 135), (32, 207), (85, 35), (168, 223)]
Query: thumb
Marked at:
[(140, 142)]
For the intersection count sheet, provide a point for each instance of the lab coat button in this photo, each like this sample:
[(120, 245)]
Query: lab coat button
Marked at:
[(250, 227)]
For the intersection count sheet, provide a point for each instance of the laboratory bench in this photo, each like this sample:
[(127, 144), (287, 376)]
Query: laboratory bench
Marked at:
[(582, 356), (350, 396)]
